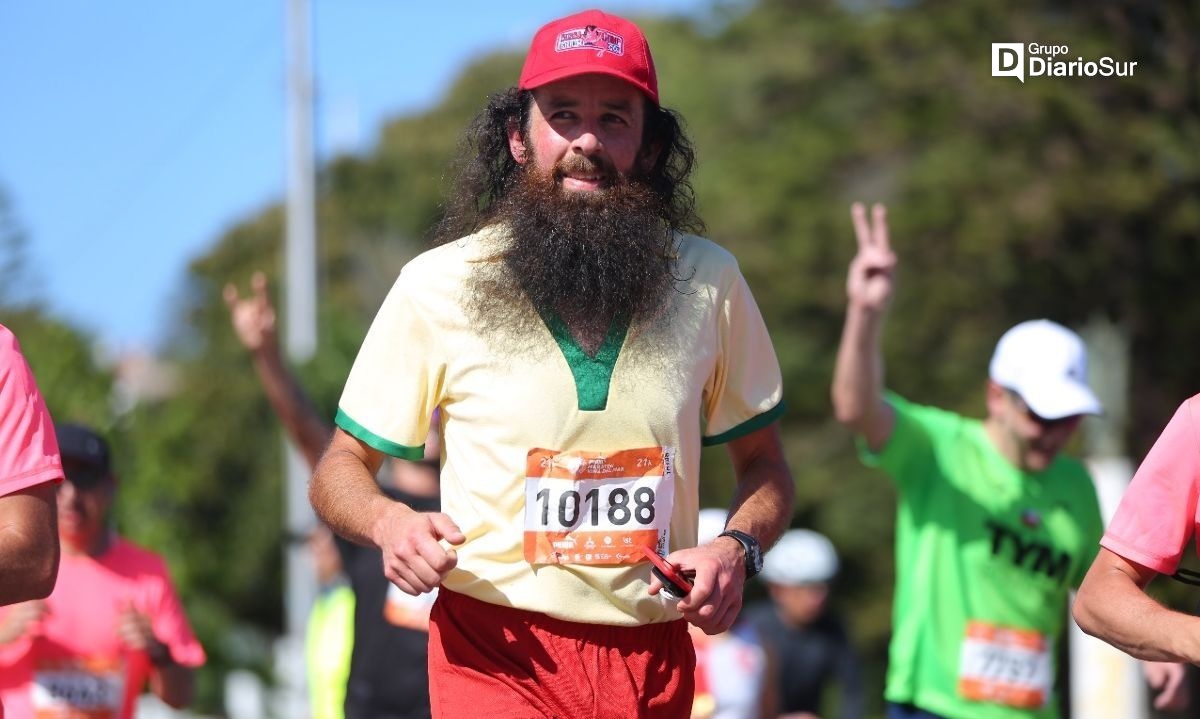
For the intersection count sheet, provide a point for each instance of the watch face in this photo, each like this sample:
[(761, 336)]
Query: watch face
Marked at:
[(757, 558)]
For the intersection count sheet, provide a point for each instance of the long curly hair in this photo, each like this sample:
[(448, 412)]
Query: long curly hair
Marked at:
[(485, 171)]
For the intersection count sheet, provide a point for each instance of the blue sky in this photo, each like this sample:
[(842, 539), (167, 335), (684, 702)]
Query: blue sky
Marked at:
[(134, 133)]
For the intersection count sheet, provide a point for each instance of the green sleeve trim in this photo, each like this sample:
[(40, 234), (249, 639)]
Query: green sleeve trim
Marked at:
[(412, 454), (751, 425)]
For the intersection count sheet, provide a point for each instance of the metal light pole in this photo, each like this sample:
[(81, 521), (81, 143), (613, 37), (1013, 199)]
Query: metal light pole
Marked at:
[(301, 342)]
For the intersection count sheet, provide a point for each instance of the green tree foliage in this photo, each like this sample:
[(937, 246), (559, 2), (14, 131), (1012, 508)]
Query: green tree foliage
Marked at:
[(61, 356), (75, 386), (1058, 197), (14, 269)]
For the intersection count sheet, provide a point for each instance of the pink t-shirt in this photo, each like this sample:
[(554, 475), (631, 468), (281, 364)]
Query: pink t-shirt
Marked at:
[(1158, 515), (72, 663), (28, 449)]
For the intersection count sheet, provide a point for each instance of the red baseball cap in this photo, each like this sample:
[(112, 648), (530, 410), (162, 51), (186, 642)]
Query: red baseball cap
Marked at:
[(590, 42)]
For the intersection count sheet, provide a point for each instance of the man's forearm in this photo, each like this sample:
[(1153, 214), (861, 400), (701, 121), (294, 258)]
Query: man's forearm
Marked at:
[(344, 494), (858, 373), (1145, 629), (762, 504), (1110, 605)]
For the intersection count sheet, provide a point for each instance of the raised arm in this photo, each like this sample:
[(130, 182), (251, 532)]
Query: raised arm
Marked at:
[(253, 319), (858, 375)]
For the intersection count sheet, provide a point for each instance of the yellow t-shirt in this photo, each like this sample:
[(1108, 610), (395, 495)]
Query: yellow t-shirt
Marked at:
[(556, 464)]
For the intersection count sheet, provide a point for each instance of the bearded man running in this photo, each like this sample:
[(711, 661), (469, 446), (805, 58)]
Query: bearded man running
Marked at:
[(582, 346)]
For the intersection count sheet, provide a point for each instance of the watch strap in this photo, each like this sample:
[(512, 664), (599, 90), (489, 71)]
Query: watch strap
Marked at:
[(751, 549)]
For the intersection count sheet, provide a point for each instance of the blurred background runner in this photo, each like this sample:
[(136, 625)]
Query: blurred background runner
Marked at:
[(994, 526), (113, 623), (814, 653), (735, 674)]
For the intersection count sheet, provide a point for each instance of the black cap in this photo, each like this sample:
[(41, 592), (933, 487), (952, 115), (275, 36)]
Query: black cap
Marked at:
[(85, 454)]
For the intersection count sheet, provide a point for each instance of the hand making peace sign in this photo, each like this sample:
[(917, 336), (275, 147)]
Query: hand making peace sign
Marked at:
[(872, 275)]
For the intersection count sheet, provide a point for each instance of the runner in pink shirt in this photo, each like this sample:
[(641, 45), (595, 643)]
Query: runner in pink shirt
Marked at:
[(29, 468), (113, 622), (1156, 521)]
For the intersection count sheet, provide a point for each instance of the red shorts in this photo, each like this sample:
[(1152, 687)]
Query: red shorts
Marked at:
[(498, 662)]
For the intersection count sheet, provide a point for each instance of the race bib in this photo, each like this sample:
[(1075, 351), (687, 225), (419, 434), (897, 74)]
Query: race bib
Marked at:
[(593, 508), (78, 689), (1006, 666)]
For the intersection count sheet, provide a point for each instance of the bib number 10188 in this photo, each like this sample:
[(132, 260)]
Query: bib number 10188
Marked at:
[(592, 508), (619, 507)]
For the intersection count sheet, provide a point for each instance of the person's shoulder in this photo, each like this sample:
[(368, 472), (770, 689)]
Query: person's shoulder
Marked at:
[(929, 427), (134, 558), (1073, 481), (1072, 469), (430, 262), (926, 412), (762, 616), (10, 348), (703, 253), (705, 266), (442, 269), (1191, 406), (831, 623), (477, 247)]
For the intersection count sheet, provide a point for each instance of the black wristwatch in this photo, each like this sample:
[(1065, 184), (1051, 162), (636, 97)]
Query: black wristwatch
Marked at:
[(752, 549)]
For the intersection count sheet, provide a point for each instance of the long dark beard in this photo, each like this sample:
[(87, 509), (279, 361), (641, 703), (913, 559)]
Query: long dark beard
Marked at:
[(589, 257)]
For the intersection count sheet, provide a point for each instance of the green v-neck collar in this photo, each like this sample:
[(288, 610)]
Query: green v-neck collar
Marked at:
[(593, 374)]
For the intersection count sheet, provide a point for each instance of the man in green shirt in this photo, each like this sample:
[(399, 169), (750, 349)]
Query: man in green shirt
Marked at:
[(994, 527)]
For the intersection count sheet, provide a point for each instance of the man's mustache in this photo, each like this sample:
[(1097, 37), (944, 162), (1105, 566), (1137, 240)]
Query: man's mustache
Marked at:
[(586, 165)]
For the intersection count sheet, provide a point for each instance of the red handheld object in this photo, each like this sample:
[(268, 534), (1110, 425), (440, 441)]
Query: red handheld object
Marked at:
[(675, 584)]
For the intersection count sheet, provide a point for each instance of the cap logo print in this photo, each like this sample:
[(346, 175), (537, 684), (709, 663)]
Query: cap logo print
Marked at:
[(590, 38), (607, 45)]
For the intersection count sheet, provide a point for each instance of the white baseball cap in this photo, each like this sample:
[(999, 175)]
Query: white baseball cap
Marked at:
[(801, 556), (1046, 364)]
